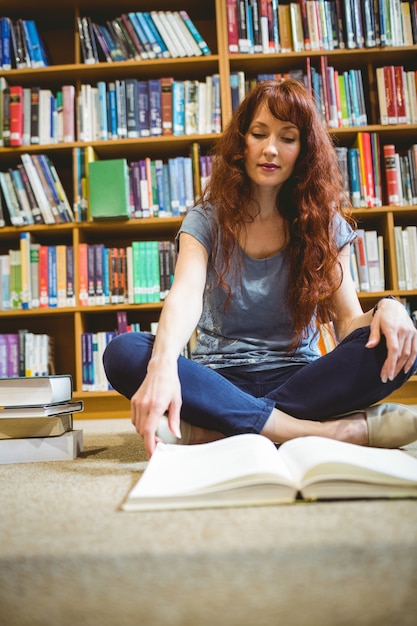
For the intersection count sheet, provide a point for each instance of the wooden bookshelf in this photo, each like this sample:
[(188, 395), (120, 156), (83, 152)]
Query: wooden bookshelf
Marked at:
[(58, 29)]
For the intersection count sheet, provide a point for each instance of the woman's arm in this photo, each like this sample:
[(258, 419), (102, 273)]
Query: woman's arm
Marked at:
[(391, 320), (160, 390)]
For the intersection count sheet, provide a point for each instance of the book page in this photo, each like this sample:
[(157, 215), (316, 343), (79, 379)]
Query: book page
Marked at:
[(313, 459), (243, 459)]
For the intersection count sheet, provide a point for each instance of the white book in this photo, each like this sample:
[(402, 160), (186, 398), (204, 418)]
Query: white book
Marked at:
[(381, 255), (354, 268), (411, 84), (372, 255), (297, 27), (41, 449), (407, 261), (38, 190), (190, 44), (45, 130), (382, 100), (399, 255), (171, 24), (362, 260), (396, 25), (209, 105), (248, 470), (165, 32), (26, 116), (202, 108), (412, 248)]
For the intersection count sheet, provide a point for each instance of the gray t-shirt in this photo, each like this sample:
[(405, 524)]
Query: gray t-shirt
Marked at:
[(255, 330)]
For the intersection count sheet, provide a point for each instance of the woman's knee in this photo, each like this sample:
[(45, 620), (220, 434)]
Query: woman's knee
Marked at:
[(126, 352)]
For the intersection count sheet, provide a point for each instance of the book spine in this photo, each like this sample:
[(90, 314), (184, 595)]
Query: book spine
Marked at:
[(391, 175), (52, 277)]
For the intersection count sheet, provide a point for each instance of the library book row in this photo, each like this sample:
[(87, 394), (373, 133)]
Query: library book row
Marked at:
[(21, 44), (144, 188), (376, 175), (139, 35), (32, 192), (270, 26), (368, 259), (121, 109), (26, 354), (340, 96), (133, 36), (42, 276)]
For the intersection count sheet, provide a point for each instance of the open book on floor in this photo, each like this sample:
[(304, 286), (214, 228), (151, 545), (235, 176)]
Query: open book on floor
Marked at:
[(248, 470)]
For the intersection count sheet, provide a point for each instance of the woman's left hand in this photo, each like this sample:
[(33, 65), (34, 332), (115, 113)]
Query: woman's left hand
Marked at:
[(392, 320)]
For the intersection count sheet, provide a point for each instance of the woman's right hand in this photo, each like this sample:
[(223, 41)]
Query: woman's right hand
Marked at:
[(159, 393)]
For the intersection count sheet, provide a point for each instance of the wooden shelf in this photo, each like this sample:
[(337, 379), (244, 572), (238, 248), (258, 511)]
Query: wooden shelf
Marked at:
[(58, 26)]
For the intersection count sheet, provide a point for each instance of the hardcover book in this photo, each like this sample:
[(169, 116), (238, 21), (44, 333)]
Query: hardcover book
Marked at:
[(248, 470), (26, 391), (109, 189)]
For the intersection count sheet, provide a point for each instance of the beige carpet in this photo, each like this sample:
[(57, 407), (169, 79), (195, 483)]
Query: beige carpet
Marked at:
[(69, 556)]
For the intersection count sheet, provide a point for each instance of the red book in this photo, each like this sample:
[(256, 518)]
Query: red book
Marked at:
[(232, 26), (390, 94), (391, 176), (83, 274), (16, 115), (400, 94), (166, 104), (43, 277)]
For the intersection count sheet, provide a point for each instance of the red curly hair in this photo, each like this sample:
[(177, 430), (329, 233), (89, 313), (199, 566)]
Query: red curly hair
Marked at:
[(308, 200)]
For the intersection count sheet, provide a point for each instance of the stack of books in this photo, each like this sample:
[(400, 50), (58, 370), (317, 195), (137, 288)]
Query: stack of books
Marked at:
[(36, 419)]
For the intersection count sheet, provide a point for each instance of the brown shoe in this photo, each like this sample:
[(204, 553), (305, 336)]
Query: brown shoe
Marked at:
[(391, 425)]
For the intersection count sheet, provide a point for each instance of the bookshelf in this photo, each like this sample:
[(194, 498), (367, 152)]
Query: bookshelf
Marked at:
[(59, 31)]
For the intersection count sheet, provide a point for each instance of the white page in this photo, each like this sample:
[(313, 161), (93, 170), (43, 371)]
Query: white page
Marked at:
[(387, 466), (181, 469)]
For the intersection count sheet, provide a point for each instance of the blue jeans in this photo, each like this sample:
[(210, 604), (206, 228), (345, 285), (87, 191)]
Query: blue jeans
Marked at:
[(232, 400)]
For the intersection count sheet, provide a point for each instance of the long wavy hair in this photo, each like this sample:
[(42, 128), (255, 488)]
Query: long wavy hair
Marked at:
[(308, 200)]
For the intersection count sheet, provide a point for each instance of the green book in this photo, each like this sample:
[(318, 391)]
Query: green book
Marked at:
[(109, 189)]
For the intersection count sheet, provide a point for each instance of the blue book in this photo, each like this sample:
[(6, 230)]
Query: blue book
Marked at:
[(102, 110), (114, 50), (173, 186), (52, 278), (121, 109), (354, 98), (159, 167), (155, 110), (354, 177), (149, 53), (157, 36), (216, 109), (202, 44), (150, 37), (143, 106), (5, 34), (70, 276), (166, 190), (178, 107), (132, 108), (112, 111), (189, 185), (181, 184), (34, 43)]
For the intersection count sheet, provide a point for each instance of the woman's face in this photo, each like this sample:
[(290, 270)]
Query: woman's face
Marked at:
[(272, 149)]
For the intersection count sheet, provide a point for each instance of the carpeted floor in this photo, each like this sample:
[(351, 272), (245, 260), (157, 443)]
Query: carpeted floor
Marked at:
[(69, 556)]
